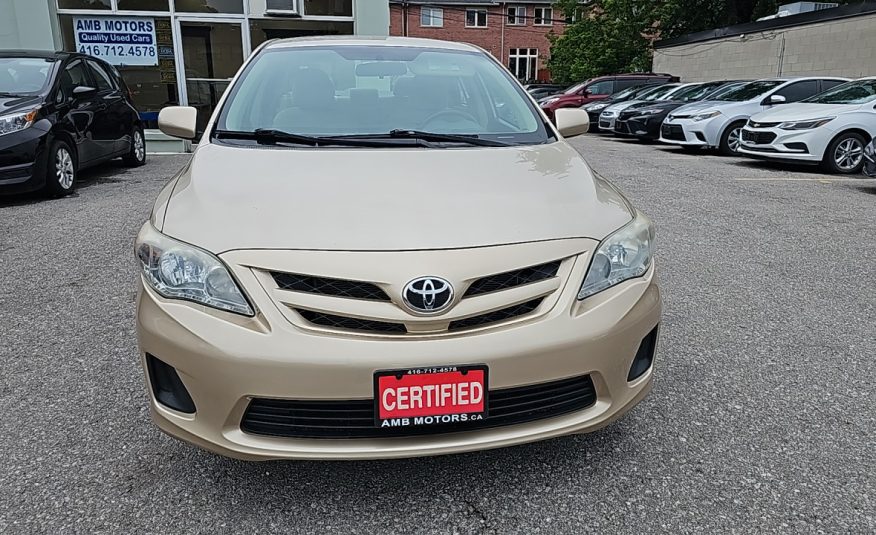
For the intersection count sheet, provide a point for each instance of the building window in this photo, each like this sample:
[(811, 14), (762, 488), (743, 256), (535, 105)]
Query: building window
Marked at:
[(85, 4), (143, 5), (544, 16), (523, 63), (517, 16), (431, 17), (209, 6), (329, 8), (475, 18)]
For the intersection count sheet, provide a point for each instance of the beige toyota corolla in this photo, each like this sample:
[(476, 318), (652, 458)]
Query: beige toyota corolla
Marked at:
[(382, 248)]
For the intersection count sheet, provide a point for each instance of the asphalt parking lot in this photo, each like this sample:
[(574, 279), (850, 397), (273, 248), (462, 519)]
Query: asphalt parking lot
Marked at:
[(762, 418)]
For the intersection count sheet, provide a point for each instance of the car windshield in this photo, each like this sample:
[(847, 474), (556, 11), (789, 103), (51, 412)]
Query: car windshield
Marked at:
[(626, 93), (575, 88), (355, 90), (748, 91), (24, 76), (717, 92), (694, 92), (857, 92), (658, 92)]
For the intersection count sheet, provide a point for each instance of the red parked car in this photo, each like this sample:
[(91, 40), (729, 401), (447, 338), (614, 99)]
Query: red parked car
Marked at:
[(598, 89)]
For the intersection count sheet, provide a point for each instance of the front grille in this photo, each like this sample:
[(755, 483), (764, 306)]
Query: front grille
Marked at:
[(758, 138), (673, 131), (511, 279), (325, 286), (496, 316), (347, 323), (621, 127), (754, 124), (351, 324), (355, 418), (604, 124)]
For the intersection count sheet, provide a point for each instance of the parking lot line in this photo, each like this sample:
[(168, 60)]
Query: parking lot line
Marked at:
[(797, 179)]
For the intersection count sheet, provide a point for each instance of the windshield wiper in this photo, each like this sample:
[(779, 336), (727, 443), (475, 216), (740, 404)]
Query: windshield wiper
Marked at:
[(271, 136), (431, 136), (11, 95)]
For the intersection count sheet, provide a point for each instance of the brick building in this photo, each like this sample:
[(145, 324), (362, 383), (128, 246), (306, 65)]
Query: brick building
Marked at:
[(516, 33)]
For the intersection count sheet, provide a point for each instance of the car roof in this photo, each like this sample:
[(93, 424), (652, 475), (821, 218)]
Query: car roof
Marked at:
[(355, 40), (44, 54)]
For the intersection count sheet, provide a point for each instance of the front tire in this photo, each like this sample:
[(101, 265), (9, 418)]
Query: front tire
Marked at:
[(845, 154), (731, 139), (61, 170), (137, 155)]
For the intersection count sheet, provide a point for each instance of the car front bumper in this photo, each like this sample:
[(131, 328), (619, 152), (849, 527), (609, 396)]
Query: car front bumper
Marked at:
[(225, 361), (785, 145), (691, 133), (606, 122), (23, 161)]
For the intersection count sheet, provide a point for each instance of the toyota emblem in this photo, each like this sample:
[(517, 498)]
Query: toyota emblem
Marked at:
[(428, 295)]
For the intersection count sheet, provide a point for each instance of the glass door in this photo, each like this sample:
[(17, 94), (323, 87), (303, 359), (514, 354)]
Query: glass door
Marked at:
[(212, 54)]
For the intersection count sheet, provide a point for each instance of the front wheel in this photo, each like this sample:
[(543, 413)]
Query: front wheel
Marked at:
[(137, 155), (845, 154), (731, 139), (60, 170)]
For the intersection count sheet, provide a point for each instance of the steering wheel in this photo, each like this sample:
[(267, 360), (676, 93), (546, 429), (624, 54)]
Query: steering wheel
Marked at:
[(459, 114)]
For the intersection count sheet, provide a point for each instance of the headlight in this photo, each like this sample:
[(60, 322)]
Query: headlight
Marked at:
[(706, 115), (624, 255), (180, 271), (806, 125), (608, 113), (17, 121), (595, 107)]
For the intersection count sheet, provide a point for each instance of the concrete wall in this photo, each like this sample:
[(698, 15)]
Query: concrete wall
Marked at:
[(845, 47), (29, 24)]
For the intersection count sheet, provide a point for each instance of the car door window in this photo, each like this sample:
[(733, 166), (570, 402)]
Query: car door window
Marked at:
[(75, 75), (603, 87), (102, 79), (623, 83), (799, 90)]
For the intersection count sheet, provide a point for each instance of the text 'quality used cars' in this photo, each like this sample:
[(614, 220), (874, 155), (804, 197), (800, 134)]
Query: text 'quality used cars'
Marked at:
[(381, 248)]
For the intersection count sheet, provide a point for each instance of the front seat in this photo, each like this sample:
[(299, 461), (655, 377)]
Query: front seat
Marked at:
[(313, 104)]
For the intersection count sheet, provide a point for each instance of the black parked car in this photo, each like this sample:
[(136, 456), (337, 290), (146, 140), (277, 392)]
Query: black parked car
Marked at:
[(539, 91), (643, 120), (61, 112), (595, 108)]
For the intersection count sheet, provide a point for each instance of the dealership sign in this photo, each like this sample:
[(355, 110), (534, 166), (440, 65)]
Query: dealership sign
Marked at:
[(117, 40)]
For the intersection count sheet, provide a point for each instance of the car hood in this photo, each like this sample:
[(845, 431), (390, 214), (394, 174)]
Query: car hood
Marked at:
[(14, 104), (725, 107), (388, 199), (665, 105), (620, 106), (802, 111)]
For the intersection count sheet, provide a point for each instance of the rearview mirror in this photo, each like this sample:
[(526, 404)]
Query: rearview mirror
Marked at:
[(776, 99), (178, 121), (381, 68), (572, 121), (83, 91)]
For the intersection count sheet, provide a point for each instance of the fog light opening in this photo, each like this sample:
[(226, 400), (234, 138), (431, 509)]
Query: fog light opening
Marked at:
[(167, 387), (644, 356)]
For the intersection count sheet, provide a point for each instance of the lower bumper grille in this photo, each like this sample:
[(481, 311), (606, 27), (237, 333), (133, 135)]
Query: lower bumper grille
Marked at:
[(355, 418), (673, 132), (758, 138)]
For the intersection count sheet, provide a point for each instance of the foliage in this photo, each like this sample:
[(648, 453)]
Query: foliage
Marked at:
[(610, 36)]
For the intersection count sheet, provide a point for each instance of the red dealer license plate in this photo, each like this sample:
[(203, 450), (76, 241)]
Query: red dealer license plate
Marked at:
[(430, 396)]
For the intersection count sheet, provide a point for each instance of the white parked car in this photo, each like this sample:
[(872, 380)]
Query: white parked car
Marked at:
[(661, 92), (831, 129), (718, 123)]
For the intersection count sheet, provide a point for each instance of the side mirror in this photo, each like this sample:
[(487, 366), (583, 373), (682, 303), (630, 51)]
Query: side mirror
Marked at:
[(82, 91), (178, 121), (776, 99), (572, 121)]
